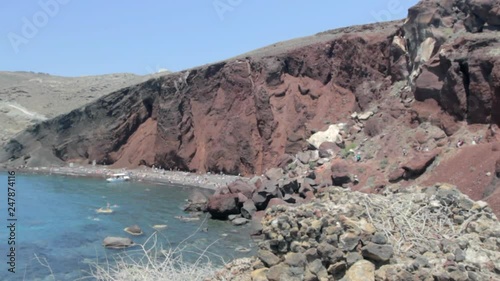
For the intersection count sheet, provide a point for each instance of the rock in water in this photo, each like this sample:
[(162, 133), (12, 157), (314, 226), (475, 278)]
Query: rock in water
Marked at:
[(134, 230), (117, 242), (197, 202)]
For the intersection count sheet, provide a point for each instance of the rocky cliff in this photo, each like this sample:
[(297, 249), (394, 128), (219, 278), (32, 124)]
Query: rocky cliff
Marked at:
[(237, 116), (440, 66)]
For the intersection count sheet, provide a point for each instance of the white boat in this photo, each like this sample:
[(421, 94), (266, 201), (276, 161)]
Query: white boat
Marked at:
[(118, 178)]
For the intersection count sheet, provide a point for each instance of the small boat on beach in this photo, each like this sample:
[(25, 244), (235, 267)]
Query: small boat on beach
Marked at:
[(118, 178)]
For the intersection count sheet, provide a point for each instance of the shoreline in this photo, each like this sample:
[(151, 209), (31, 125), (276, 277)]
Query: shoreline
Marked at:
[(206, 181)]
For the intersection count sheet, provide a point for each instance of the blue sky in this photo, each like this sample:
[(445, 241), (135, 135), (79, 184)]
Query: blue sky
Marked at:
[(89, 37)]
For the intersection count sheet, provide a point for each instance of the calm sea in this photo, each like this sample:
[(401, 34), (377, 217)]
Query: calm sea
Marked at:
[(58, 223)]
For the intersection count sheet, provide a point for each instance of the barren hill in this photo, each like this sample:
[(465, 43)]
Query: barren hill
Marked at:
[(28, 97)]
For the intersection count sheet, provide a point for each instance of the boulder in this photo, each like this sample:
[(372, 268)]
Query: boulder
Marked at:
[(240, 186), (418, 165), (290, 186), (274, 174), (327, 149), (117, 242), (259, 274), (241, 198), (396, 175), (276, 202), (318, 270), (377, 252), (340, 173), (332, 134), (365, 116), (361, 271), (134, 230), (248, 209), (222, 205), (304, 157), (295, 259), (282, 271), (261, 200), (197, 197), (239, 221), (197, 202), (268, 258), (256, 222)]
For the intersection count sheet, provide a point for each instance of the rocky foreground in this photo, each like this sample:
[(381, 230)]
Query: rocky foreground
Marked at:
[(421, 233)]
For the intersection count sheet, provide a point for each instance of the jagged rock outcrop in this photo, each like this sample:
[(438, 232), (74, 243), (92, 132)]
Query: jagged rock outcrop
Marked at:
[(453, 54)]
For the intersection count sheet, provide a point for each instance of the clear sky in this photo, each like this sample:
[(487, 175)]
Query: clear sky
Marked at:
[(87, 37)]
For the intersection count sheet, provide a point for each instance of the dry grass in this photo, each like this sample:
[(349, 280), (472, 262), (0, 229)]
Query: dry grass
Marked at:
[(413, 225)]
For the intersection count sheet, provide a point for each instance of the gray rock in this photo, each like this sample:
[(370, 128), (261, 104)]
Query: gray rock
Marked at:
[(197, 202), (282, 272), (377, 252), (352, 257), (317, 269), (259, 274), (197, 197), (337, 268), (459, 255), (134, 230), (295, 259), (304, 157), (117, 242), (329, 253), (349, 241), (232, 217), (248, 209), (268, 258), (422, 261), (239, 221), (311, 254), (327, 149), (242, 187), (260, 200), (379, 238), (362, 270), (274, 174)]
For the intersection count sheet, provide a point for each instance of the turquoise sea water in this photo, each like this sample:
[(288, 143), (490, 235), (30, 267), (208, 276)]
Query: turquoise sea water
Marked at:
[(58, 222)]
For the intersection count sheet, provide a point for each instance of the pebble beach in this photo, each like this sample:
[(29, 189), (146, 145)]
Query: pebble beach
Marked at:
[(143, 174)]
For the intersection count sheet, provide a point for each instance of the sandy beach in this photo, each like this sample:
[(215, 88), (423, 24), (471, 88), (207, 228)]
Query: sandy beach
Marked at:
[(143, 174)]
